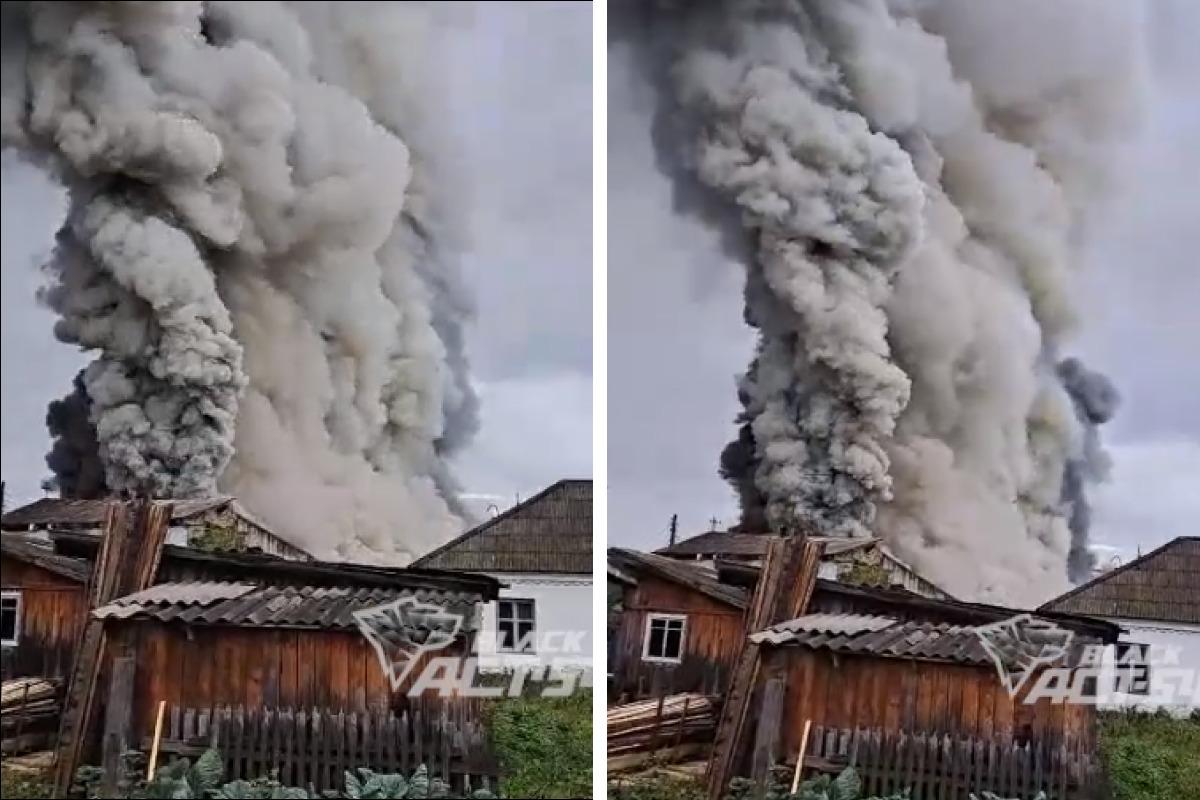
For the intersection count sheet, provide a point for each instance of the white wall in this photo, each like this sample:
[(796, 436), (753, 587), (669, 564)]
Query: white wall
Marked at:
[(563, 618), (1174, 668)]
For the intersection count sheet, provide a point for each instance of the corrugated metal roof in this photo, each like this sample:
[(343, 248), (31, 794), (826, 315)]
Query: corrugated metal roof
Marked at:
[(42, 555), (549, 532), (1162, 585), (239, 604), (680, 572), (924, 641)]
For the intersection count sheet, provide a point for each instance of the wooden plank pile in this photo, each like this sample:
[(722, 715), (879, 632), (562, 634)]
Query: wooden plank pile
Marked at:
[(661, 724), (29, 709)]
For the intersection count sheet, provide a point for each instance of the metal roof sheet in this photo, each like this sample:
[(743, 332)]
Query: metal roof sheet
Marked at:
[(888, 637), (240, 604)]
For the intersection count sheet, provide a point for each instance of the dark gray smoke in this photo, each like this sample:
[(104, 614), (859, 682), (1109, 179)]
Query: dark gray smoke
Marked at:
[(906, 184), (1095, 401), (260, 252)]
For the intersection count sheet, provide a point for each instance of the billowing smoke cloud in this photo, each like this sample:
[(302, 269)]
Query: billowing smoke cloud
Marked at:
[(260, 250), (907, 184)]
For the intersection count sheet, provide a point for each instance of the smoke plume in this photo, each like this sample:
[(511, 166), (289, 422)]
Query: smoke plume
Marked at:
[(907, 184), (260, 250)]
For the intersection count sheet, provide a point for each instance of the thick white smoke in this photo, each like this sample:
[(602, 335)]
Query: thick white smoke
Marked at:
[(260, 249), (912, 182)]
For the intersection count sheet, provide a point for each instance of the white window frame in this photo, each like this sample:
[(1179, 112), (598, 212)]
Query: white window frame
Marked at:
[(516, 621), (650, 620), (16, 637)]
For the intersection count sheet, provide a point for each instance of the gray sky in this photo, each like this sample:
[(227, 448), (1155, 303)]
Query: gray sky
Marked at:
[(676, 339), (521, 102)]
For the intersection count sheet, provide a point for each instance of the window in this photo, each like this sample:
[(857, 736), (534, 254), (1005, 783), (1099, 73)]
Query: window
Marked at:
[(515, 630), (664, 637), (10, 618), (1133, 669)]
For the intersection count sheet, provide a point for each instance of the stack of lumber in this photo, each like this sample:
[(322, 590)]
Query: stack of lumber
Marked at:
[(661, 723), (25, 700)]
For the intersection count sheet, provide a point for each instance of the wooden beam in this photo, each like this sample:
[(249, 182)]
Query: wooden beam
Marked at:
[(117, 722), (127, 561), (766, 738), (784, 589)]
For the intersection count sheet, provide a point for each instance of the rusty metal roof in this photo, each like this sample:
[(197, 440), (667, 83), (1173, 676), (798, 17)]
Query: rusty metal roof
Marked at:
[(252, 605), (1163, 585), (888, 637), (679, 572), (41, 554), (549, 532)]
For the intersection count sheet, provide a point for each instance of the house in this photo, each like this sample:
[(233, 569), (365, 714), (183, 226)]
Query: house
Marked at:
[(859, 561), (42, 608), (213, 523), (701, 616), (541, 550), (1156, 601), (675, 625)]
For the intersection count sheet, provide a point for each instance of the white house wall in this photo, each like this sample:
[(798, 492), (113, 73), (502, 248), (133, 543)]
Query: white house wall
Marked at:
[(1174, 671), (563, 620)]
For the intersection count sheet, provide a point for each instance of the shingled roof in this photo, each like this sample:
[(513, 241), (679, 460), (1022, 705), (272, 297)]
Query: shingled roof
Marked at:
[(67, 513), (41, 554), (549, 532), (1163, 585), (732, 543), (679, 572)]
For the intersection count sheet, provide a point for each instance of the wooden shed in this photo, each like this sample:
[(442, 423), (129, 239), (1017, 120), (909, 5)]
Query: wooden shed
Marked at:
[(41, 608), (677, 628), (281, 645)]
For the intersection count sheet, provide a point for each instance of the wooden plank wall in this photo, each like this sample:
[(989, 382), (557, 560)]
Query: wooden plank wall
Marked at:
[(202, 667), (845, 691), (711, 640), (51, 616)]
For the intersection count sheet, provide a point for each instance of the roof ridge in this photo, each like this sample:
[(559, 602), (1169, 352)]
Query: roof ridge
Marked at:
[(1112, 573)]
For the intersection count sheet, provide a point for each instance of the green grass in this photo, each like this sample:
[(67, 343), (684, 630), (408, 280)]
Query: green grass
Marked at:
[(656, 785), (1151, 756), (545, 746)]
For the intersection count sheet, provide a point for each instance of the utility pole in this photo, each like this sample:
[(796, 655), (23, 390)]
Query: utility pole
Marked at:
[(674, 528)]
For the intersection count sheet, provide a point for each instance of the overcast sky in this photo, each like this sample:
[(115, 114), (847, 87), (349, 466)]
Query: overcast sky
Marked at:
[(521, 106), (676, 339)]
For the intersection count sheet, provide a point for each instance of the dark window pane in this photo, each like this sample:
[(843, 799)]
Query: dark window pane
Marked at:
[(8, 620), (504, 611), (504, 635), (672, 645), (656, 641), (525, 610)]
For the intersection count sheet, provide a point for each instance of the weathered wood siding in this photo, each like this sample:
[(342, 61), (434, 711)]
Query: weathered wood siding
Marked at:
[(845, 691), (202, 667), (712, 636), (52, 610)]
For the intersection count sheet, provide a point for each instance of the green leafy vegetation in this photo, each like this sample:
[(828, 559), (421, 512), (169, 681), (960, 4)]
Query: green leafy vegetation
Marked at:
[(23, 783), (185, 780), (1151, 756), (545, 745), (661, 785)]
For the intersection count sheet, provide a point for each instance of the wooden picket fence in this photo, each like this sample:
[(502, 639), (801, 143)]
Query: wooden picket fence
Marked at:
[(942, 767), (314, 747)]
